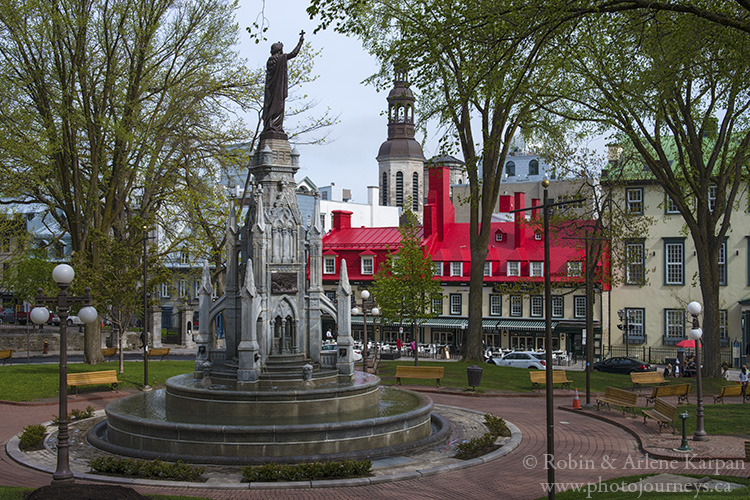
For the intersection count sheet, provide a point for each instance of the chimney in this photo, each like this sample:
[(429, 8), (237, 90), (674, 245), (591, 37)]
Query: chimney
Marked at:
[(506, 204), (342, 219), (536, 202), (520, 221), (373, 195), (439, 197)]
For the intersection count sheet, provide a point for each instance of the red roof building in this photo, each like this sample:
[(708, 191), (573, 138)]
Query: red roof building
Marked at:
[(513, 274)]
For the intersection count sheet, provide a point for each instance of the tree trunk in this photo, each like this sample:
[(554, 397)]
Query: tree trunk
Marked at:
[(708, 273), (476, 290), (92, 344)]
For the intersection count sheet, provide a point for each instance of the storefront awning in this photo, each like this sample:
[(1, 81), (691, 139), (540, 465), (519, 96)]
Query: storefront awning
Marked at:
[(461, 323), (525, 325)]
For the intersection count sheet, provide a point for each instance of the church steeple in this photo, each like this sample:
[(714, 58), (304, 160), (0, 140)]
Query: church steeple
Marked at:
[(400, 159)]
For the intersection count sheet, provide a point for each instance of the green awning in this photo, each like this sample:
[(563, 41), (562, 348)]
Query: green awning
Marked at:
[(461, 323), (526, 325)]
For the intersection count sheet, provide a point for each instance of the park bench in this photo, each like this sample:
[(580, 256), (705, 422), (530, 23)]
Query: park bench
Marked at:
[(93, 378), (626, 400), (642, 378), (747, 451), (662, 412), (6, 354), (109, 352), (539, 378), (425, 372), (730, 391), (680, 390), (158, 351)]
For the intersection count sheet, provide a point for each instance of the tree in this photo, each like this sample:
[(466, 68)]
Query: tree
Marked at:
[(404, 285), (675, 90), (102, 104), (480, 68)]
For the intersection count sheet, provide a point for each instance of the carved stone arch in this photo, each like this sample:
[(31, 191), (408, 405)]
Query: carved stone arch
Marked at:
[(284, 321)]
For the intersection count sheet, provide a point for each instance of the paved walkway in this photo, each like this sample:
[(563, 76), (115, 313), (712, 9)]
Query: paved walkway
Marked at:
[(586, 450)]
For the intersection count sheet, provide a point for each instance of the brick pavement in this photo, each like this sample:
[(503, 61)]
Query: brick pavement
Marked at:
[(587, 449)]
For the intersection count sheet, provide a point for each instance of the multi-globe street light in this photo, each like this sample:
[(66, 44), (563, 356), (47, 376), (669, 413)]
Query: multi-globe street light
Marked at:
[(364, 308), (694, 308), (63, 275)]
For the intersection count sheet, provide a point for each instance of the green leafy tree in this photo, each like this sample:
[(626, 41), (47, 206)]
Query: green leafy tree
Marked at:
[(480, 69), (404, 285)]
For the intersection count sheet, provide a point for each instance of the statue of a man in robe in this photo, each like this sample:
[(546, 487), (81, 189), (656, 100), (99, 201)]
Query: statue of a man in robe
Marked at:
[(277, 86)]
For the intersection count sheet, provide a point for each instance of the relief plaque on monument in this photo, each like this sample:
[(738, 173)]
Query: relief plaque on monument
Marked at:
[(283, 283)]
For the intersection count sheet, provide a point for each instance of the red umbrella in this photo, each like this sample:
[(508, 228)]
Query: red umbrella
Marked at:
[(688, 343)]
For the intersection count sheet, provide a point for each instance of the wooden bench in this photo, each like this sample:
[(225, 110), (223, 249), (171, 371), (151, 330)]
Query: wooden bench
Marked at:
[(626, 400), (109, 352), (747, 451), (93, 378), (642, 378), (6, 354), (158, 351), (680, 390), (662, 412), (539, 378), (730, 391), (426, 372)]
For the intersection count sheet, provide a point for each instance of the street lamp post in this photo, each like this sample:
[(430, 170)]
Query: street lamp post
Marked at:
[(146, 387), (694, 308), (374, 311), (625, 327), (63, 275)]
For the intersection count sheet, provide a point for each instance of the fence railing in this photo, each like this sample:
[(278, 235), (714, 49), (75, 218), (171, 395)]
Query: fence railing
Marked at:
[(658, 355)]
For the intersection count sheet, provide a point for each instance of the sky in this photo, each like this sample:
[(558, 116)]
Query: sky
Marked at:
[(348, 158)]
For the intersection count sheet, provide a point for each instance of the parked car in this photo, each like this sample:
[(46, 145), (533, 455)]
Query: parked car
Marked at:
[(622, 364), (333, 347), (522, 359), (72, 320), (8, 315)]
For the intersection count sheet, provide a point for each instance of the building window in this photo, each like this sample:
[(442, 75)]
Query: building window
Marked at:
[(537, 306), (184, 257), (437, 268), (455, 299), (723, 263), (368, 264), (723, 327), (575, 268), (636, 321), (415, 192), (457, 269), (399, 189), (182, 288), (516, 305), (536, 269), (164, 290), (499, 235), (712, 197), (634, 201), (674, 325), (533, 167), (579, 306), (331, 294), (384, 194), (496, 305), (514, 268), (510, 169), (437, 305), (674, 262), (329, 265), (538, 236), (488, 268), (197, 288), (558, 306), (635, 254), (669, 205)]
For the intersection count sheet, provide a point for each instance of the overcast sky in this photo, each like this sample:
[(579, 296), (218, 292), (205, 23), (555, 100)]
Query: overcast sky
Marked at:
[(348, 159)]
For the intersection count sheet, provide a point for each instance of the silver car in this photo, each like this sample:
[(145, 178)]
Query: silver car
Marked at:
[(522, 359)]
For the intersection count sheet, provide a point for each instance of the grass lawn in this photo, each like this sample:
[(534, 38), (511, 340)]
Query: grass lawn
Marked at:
[(31, 382), (13, 493), (613, 490), (507, 379)]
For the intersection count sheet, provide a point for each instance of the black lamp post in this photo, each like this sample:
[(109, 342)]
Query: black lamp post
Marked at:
[(375, 311), (146, 387), (694, 308), (63, 275), (625, 318)]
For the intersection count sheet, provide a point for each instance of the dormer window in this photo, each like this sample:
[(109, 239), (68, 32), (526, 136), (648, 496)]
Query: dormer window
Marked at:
[(510, 169), (488, 268), (457, 269), (368, 264), (575, 268), (538, 236), (184, 257), (536, 269), (329, 264), (498, 235), (514, 268)]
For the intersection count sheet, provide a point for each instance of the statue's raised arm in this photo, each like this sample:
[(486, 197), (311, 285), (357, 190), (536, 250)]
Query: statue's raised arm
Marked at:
[(277, 86)]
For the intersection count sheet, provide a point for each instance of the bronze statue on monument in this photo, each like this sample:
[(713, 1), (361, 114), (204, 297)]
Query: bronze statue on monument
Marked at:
[(277, 89)]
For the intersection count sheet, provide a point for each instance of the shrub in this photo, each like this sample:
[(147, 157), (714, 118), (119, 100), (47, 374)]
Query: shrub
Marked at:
[(476, 447), (82, 414), (176, 471), (306, 471), (32, 437), (496, 425)]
